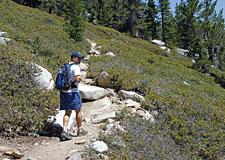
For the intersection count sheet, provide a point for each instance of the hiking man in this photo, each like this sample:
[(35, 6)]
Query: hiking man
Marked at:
[(70, 99)]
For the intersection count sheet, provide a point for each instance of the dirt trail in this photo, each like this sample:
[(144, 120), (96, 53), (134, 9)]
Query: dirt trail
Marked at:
[(60, 150)]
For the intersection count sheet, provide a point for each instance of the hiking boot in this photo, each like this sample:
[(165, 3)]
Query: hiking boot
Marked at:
[(81, 132), (65, 136)]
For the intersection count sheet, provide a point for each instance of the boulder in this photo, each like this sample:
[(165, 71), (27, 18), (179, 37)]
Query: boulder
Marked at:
[(99, 146), (110, 92), (154, 113), (130, 95), (163, 47), (133, 104), (58, 123), (11, 152), (182, 51), (96, 106), (3, 34), (93, 44), (43, 78), (103, 79), (28, 158), (158, 42), (145, 114), (83, 75), (111, 54), (76, 156), (114, 127), (92, 51), (83, 67), (91, 92), (103, 117), (4, 40), (88, 81)]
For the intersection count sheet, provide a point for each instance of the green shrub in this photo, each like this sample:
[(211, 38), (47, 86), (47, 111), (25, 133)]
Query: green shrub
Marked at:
[(23, 106), (187, 100)]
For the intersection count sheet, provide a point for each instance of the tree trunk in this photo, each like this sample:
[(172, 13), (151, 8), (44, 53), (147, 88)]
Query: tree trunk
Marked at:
[(132, 22)]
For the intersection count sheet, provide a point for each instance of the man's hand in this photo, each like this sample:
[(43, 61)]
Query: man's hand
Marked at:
[(78, 79)]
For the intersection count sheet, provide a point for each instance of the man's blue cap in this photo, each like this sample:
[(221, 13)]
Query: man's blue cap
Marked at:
[(77, 54)]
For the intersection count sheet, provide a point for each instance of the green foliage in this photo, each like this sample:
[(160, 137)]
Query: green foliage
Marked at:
[(142, 140), (166, 20), (23, 106), (181, 94), (73, 11), (151, 21), (201, 63)]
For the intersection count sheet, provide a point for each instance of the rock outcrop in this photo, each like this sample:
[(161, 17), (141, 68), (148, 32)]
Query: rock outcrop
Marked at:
[(43, 78), (130, 95), (91, 92), (103, 79)]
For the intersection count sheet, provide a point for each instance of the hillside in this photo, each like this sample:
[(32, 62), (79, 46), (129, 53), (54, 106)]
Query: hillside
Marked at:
[(191, 104)]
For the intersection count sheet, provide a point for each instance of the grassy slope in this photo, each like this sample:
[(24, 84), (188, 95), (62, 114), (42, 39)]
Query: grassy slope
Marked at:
[(193, 114)]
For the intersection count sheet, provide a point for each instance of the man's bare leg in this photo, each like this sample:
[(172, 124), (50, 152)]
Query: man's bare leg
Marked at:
[(80, 130), (78, 118), (65, 135), (66, 119)]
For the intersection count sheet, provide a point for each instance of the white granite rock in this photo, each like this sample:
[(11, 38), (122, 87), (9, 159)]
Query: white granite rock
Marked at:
[(91, 92), (43, 78), (99, 146)]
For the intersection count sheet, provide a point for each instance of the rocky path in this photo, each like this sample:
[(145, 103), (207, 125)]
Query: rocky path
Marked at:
[(60, 150)]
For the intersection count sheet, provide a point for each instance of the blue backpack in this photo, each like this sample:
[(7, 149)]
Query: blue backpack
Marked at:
[(63, 81)]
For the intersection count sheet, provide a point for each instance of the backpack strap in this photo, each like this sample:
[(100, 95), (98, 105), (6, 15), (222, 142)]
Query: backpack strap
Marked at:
[(73, 85)]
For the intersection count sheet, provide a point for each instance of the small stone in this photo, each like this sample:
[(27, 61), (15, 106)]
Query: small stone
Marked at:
[(154, 113), (140, 112), (99, 146), (36, 144), (76, 156), (28, 158), (71, 153), (103, 117), (82, 141), (14, 153), (110, 120), (93, 140)]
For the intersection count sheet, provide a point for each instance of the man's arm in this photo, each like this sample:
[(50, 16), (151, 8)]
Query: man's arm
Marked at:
[(77, 78)]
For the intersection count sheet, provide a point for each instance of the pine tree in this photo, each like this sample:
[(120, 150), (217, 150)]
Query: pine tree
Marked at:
[(151, 21), (216, 40), (50, 5), (73, 12), (166, 20), (187, 26), (31, 3), (120, 15), (206, 17), (109, 13), (135, 19)]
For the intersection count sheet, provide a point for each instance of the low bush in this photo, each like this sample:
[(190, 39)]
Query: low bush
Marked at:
[(191, 103), (24, 107)]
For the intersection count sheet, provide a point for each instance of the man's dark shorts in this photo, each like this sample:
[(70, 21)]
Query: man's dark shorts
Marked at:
[(70, 101)]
